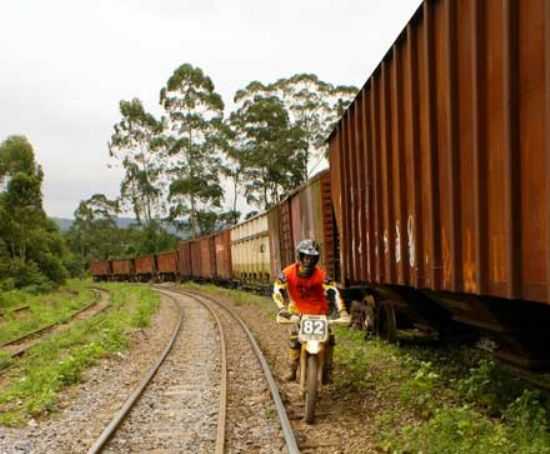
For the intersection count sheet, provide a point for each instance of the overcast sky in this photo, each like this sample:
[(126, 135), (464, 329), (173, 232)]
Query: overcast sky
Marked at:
[(64, 65)]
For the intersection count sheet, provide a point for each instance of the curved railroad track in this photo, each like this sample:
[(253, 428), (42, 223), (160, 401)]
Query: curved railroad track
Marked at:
[(200, 401), (229, 317), (20, 345)]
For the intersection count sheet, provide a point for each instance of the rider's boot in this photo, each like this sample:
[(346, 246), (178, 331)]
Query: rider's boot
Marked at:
[(329, 352), (293, 359)]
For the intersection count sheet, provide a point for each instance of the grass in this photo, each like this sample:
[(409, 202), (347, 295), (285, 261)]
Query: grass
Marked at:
[(444, 400), (47, 369), (45, 309)]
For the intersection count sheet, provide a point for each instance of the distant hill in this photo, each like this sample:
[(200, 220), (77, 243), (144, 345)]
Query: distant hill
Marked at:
[(65, 224)]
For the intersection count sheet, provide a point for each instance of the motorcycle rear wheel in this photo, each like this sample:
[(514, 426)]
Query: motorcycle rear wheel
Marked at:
[(311, 388)]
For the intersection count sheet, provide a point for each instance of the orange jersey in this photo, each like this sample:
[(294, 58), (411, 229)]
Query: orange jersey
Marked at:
[(307, 293)]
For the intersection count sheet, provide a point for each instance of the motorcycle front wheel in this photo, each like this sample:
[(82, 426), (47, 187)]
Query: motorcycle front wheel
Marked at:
[(311, 388)]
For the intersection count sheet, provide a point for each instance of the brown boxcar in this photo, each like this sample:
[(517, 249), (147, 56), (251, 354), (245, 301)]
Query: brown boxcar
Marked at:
[(167, 265), (184, 259), (145, 267), (441, 165), (222, 246), (195, 247), (305, 213), (101, 270), (208, 257), (122, 269)]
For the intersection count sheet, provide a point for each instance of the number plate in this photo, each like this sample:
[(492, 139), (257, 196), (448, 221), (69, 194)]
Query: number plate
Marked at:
[(314, 327)]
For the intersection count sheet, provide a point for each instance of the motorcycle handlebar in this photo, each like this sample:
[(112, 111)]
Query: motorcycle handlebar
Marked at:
[(296, 319)]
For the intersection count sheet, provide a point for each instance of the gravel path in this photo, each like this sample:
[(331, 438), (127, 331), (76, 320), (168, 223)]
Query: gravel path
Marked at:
[(85, 409), (252, 423), (178, 410)]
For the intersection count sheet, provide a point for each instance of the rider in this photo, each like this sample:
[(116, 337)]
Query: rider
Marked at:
[(305, 288)]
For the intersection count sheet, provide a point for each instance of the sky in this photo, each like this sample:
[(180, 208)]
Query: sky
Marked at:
[(66, 64)]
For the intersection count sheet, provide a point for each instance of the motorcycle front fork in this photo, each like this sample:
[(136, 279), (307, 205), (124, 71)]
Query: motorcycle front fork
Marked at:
[(320, 367)]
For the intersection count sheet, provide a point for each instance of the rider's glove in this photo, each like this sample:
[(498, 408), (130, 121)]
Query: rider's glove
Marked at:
[(343, 314), (284, 313)]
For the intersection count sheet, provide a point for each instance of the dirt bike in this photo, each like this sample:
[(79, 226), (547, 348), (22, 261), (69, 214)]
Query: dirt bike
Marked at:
[(313, 335)]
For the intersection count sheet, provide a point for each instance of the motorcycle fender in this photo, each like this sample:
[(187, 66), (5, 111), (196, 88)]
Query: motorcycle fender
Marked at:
[(313, 347)]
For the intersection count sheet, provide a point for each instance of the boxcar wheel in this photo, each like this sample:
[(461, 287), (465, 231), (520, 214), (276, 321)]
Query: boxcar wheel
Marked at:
[(386, 321)]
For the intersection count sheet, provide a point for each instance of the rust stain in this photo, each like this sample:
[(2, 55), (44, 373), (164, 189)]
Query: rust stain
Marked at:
[(447, 265), (498, 272), (470, 284)]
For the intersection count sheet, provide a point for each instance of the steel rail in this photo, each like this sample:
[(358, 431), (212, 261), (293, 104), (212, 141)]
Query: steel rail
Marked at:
[(288, 433), (220, 434), (130, 402), (59, 322)]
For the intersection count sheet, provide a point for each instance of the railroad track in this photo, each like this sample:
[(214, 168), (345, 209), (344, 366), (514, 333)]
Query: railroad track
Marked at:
[(20, 345), (209, 391)]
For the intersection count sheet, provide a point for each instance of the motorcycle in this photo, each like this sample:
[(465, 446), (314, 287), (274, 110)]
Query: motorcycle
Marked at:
[(313, 335)]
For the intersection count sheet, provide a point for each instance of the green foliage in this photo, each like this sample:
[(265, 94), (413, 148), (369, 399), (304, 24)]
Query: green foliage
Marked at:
[(44, 309), (313, 106), (270, 150), (32, 249), (136, 141), (60, 360), (193, 144)]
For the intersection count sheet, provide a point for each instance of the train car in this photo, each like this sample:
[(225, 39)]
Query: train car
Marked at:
[(305, 213), (122, 269), (440, 174), (208, 257), (195, 249), (184, 259), (222, 248), (146, 269), (101, 270), (167, 265), (251, 251)]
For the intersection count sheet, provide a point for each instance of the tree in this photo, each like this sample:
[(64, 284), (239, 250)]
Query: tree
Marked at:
[(270, 150), (94, 233), (196, 135), (32, 251), (137, 140), (313, 105)]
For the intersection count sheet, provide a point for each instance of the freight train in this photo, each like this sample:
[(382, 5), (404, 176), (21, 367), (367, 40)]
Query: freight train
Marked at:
[(435, 210)]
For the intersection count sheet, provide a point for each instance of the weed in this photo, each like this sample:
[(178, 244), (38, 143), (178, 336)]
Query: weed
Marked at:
[(60, 360)]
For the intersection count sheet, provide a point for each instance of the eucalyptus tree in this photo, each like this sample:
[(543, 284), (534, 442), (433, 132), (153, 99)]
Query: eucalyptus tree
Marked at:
[(269, 148), (195, 141), (313, 105), (136, 141)]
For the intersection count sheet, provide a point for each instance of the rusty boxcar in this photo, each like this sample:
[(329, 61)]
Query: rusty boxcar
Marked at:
[(195, 248), (440, 172), (311, 216), (184, 259), (222, 246), (208, 257), (145, 267), (167, 265), (122, 269), (101, 270)]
